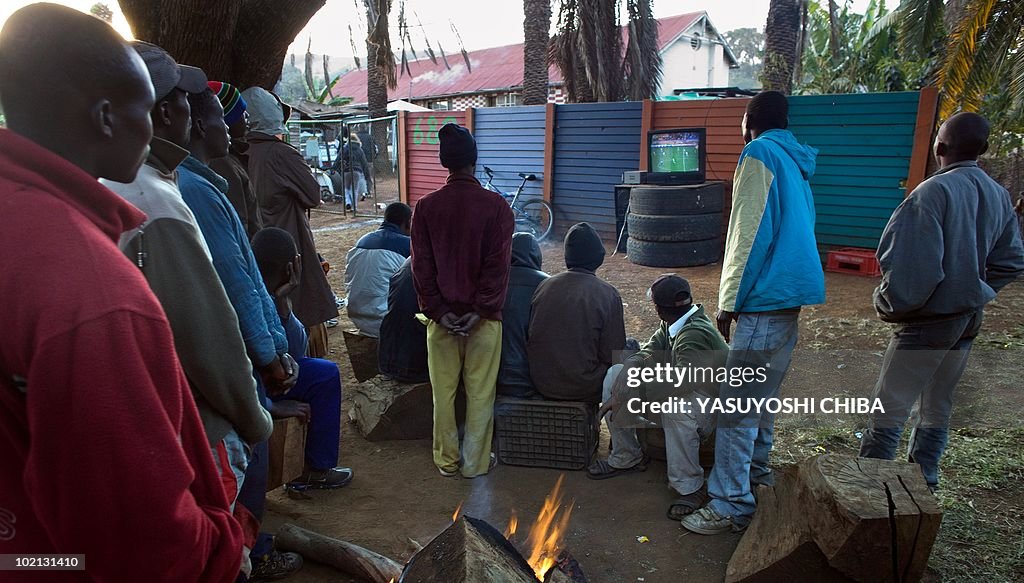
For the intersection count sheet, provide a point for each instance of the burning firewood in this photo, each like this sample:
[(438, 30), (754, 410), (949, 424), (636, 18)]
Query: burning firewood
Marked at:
[(348, 558), (468, 551)]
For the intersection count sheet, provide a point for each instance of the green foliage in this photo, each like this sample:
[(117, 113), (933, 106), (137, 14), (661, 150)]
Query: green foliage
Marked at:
[(748, 46), (869, 57)]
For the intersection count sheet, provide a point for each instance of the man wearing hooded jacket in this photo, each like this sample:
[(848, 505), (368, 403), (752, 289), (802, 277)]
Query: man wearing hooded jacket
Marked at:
[(526, 275), (577, 324)]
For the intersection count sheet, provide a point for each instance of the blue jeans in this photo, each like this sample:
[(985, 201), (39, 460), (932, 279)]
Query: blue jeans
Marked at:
[(922, 366), (319, 385), (744, 440)]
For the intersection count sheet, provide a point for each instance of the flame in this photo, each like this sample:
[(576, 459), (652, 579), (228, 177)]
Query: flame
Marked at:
[(458, 511), (548, 531), (513, 524)]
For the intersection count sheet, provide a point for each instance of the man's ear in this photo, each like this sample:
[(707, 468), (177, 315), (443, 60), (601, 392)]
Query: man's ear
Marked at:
[(103, 118), (941, 149), (163, 113), (198, 128), (983, 149)]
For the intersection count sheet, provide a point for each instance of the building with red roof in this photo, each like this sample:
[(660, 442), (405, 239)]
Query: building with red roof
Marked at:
[(694, 55)]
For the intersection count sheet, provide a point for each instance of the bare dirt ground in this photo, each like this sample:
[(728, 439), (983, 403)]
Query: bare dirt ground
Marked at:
[(398, 500)]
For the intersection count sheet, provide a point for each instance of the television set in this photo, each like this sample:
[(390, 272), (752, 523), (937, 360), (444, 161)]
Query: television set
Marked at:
[(677, 156)]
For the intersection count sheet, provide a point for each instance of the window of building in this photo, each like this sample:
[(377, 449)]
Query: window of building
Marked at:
[(442, 105), (508, 100), (492, 100)]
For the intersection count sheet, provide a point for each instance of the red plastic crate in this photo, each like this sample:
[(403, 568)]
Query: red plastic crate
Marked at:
[(854, 261)]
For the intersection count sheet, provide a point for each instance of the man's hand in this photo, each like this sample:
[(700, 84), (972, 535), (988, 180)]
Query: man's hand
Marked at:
[(609, 407), (274, 375), (465, 324), (448, 321), (293, 269), (725, 320), (289, 408), (292, 368)]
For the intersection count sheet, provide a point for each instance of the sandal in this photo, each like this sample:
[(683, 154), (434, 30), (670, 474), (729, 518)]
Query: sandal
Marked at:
[(601, 470), (685, 505)]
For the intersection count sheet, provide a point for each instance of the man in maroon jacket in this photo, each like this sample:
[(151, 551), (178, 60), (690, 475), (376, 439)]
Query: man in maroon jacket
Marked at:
[(102, 452), (461, 257)]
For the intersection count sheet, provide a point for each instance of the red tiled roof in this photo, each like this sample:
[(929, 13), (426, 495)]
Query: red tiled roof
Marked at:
[(494, 69)]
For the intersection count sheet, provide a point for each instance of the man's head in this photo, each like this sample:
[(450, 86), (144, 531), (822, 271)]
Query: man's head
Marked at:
[(400, 215), (457, 149), (267, 113), (209, 136), (583, 248), (962, 137), (768, 110), (234, 108), (276, 256), (172, 83), (101, 123), (671, 297)]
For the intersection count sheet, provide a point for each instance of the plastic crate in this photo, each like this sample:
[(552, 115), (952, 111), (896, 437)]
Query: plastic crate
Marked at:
[(860, 262), (546, 434)]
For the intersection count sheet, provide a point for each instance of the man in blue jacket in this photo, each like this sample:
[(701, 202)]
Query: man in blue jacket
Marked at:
[(771, 269), (946, 252)]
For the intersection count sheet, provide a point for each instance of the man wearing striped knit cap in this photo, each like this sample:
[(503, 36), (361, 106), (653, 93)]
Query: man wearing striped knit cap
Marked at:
[(234, 166)]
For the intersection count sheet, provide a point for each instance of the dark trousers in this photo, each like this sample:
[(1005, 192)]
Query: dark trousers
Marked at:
[(319, 385), (922, 366)]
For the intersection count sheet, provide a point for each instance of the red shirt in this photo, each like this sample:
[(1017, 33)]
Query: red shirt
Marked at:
[(462, 249), (102, 451)]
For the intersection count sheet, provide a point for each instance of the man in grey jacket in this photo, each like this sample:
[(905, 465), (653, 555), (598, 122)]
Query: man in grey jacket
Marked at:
[(946, 252)]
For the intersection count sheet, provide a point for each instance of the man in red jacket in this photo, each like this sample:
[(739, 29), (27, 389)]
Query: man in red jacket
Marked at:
[(461, 257), (102, 452)]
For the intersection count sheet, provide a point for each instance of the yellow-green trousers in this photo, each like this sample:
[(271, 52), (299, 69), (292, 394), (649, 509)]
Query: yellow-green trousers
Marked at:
[(475, 359)]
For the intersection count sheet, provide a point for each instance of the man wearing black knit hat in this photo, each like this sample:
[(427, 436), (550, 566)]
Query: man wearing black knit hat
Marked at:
[(461, 257)]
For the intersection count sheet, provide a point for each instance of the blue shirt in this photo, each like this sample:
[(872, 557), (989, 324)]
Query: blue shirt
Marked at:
[(389, 236), (203, 192)]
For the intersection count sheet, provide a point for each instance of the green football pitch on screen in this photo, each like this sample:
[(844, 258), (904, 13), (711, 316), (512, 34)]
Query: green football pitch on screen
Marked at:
[(675, 159)]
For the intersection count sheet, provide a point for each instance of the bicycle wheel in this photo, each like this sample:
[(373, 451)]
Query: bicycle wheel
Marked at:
[(534, 217)]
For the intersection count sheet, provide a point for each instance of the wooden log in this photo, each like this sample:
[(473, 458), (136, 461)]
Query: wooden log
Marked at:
[(468, 551), (840, 518), (362, 353), (383, 409), (287, 452), (353, 560)]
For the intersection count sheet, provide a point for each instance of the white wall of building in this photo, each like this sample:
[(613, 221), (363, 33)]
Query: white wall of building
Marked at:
[(686, 67)]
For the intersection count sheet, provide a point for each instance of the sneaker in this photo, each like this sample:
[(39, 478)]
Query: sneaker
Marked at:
[(707, 521), (325, 479), (331, 323), (276, 565), (448, 473)]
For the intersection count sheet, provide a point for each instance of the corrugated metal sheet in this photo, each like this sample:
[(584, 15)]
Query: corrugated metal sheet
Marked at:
[(425, 173), (864, 142), (594, 144), (510, 140)]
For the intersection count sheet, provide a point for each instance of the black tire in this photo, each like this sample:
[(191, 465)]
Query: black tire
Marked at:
[(674, 228), (677, 200), (675, 254)]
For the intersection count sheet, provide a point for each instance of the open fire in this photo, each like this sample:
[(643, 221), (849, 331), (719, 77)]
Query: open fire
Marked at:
[(548, 531)]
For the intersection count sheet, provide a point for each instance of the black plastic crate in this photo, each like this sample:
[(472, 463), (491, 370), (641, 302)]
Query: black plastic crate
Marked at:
[(546, 434)]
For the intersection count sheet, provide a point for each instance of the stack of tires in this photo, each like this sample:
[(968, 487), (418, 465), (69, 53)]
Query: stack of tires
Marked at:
[(675, 226)]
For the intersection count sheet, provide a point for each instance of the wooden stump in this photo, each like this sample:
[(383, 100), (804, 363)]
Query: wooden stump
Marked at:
[(287, 452), (362, 353), (468, 551), (383, 409), (840, 518), (348, 558)]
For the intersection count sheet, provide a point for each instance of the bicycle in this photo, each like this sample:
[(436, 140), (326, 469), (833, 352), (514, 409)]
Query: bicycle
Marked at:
[(532, 214)]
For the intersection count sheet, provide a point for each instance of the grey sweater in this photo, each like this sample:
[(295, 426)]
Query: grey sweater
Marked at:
[(948, 248)]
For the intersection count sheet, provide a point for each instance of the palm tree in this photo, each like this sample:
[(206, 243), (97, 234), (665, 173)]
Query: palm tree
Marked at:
[(381, 72), (536, 21), (782, 43)]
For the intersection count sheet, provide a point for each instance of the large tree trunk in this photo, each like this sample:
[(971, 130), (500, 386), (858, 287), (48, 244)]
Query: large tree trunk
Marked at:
[(781, 42), (377, 82), (243, 42), (536, 23)]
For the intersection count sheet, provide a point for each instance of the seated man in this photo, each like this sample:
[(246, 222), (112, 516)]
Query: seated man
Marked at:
[(577, 325), (370, 265), (316, 396), (402, 348), (686, 337), (514, 375)]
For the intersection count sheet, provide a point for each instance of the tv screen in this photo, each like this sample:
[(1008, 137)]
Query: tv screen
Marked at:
[(678, 154)]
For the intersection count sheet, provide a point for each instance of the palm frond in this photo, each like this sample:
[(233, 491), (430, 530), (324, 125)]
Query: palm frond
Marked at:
[(355, 52), (920, 25), (642, 64), (955, 74)]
